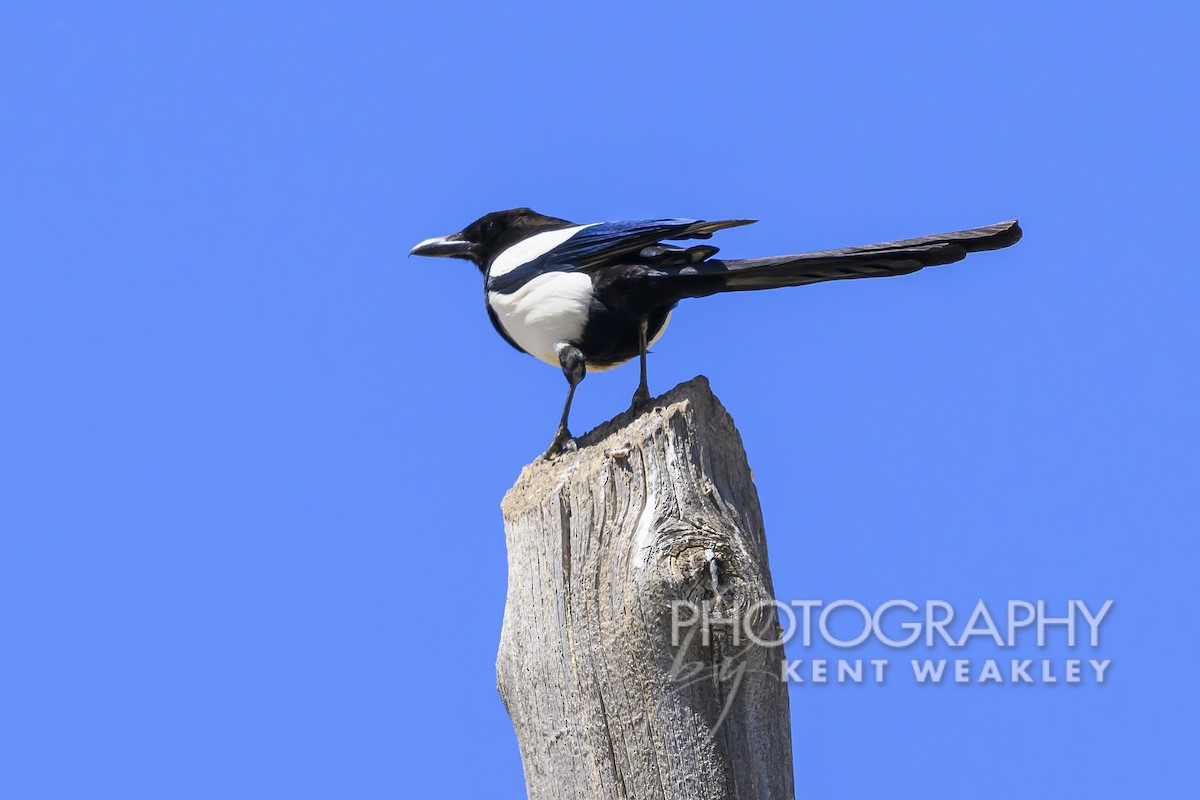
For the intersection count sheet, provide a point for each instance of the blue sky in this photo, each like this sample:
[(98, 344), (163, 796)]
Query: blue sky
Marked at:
[(251, 456)]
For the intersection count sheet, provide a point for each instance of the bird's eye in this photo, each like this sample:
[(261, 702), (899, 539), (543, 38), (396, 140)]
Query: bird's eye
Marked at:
[(491, 228)]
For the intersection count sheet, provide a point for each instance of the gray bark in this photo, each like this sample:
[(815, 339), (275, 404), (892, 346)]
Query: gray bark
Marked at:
[(601, 543)]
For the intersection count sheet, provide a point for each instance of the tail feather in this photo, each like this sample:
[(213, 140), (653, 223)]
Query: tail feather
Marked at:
[(869, 261)]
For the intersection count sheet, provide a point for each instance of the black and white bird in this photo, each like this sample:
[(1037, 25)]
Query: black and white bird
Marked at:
[(594, 296)]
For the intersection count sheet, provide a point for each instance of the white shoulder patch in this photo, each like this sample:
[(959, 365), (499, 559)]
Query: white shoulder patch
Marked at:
[(527, 250)]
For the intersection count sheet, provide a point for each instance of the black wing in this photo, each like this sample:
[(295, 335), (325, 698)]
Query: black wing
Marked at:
[(608, 243)]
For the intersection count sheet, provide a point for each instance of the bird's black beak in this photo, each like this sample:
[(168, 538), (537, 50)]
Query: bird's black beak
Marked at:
[(452, 246)]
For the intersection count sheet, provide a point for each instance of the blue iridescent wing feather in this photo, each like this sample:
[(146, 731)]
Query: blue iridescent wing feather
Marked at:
[(607, 243)]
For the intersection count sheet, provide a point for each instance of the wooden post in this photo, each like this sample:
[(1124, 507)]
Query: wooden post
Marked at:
[(652, 529)]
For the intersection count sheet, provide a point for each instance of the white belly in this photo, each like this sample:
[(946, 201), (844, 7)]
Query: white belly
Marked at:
[(550, 309)]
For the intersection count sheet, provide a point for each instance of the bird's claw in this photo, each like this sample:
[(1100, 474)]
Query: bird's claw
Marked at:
[(641, 400), (563, 443)]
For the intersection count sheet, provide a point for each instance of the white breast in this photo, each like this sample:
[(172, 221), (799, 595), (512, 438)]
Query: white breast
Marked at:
[(551, 308)]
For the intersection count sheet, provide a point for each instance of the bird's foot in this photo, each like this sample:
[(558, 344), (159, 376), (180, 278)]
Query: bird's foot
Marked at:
[(641, 400), (563, 443)]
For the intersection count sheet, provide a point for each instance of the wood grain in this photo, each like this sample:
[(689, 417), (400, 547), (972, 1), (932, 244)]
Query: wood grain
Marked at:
[(601, 543)]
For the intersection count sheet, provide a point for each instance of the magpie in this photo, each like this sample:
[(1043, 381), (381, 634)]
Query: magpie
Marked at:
[(595, 296)]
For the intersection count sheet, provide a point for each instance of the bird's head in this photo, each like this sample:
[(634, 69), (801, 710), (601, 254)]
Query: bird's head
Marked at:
[(488, 236)]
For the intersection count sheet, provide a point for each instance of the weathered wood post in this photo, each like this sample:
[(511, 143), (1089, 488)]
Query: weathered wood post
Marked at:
[(651, 531)]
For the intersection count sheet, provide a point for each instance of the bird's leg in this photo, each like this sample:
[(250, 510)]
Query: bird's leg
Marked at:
[(641, 398), (574, 369), (562, 437)]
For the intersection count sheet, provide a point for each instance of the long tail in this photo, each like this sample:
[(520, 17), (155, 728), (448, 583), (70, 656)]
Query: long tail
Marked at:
[(868, 261)]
